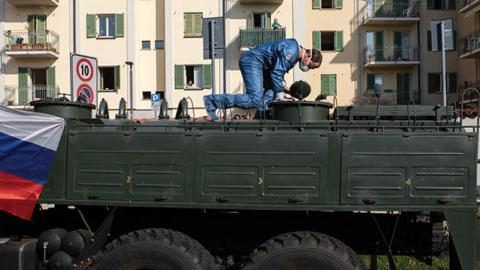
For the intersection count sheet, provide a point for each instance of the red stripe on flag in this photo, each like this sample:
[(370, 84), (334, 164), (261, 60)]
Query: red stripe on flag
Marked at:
[(18, 196)]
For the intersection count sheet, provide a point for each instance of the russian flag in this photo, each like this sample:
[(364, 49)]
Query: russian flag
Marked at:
[(28, 142)]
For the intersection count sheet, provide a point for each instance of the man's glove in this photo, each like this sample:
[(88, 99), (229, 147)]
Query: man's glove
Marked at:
[(282, 96)]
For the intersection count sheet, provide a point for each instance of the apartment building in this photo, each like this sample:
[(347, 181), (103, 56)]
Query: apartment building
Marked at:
[(469, 43), (370, 48), (35, 50)]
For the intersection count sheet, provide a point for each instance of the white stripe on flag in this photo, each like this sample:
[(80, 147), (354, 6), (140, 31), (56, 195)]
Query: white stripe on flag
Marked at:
[(41, 129)]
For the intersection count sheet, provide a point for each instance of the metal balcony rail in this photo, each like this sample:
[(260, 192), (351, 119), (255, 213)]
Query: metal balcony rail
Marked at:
[(391, 54), (253, 37), (470, 43), (30, 93), (395, 9), (32, 41), (464, 3)]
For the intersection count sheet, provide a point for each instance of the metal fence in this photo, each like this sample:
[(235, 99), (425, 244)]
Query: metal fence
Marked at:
[(32, 41), (470, 43), (391, 54), (23, 95), (250, 38), (392, 9)]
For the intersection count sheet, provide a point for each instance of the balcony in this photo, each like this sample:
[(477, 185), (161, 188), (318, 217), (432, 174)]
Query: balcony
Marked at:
[(261, 2), (27, 44), (392, 13), (21, 96), (34, 3), (470, 46), (251, 38), (391, 57), (469, 7)]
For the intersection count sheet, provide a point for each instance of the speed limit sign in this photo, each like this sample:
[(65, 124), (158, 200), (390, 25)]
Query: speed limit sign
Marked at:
[(84, 78)]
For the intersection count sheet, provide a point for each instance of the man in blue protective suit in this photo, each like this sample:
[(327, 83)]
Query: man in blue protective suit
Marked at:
[(263, 69)]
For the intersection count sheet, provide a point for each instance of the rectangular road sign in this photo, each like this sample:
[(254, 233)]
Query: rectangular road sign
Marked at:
[(84, 78)]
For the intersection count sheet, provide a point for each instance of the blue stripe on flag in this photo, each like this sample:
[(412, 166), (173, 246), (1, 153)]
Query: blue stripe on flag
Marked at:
[(24, 159)]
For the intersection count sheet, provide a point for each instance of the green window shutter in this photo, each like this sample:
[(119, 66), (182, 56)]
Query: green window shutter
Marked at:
[(332, 85), (22, 86), (31, 29), (379, 8), (452, 4), (198, 25), (325, 83), (379, 49), (179, 77), (317, 4), (91, 25), (433, 82), (117, 77), (397, 45), (207, 76), (188, 25), (41, 28), (429, 40), (431, 4), (452, 83), (317, 40), (119, 25), (339, 4), (370, 85), (51, 85), (339, 41)]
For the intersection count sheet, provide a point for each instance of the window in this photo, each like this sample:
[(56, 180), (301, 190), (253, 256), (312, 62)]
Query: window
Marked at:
[(109, 78), (439, 40), (159, 44), (193, 25), (435, 83), (145, 44), (328, 40), (193, 77), (329, 84), (326, 4), (442, 4), (147, 95), (105, 25), (374, 85), (262, 20)]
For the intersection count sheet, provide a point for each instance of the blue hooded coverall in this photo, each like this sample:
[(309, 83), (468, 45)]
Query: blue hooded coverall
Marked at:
[(263, 68)]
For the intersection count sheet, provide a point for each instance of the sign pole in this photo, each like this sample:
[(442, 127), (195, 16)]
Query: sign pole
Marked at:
[(212, 41), (444, 66)]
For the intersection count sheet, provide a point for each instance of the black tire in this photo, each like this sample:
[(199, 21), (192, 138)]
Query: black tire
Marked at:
[(303, 251), (154, 249)]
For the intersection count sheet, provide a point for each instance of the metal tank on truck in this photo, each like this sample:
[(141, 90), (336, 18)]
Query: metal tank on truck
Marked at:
[(301, 189)]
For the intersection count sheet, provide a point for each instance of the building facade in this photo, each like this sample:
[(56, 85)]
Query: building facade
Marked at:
[(371, 48)]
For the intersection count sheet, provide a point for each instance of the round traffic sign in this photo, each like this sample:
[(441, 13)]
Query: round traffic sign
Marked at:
[(86, 92), (85, 70)]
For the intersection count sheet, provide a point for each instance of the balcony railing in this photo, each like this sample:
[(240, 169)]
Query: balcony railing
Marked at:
[(33, 3), (391, 54), (395, 9), (31, 42), (470, 43), (24, 95), (250, 38), (468, 4)]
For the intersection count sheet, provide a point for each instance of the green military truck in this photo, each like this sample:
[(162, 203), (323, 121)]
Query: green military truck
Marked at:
[(302, 190)]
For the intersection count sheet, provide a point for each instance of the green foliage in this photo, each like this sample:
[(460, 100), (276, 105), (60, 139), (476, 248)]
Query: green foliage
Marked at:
[(409, 263)]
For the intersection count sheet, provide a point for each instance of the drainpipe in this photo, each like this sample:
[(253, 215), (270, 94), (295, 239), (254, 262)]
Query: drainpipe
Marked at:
[(419, 66), (74, 18), (225, 46), (2, 46)]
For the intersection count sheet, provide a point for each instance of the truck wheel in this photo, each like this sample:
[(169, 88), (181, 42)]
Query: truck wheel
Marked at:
[(154, 249), (303, 251)]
